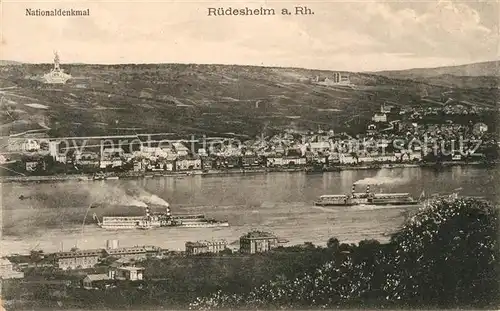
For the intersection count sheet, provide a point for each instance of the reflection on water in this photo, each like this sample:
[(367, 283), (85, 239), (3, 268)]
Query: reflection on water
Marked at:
[(279, 202)]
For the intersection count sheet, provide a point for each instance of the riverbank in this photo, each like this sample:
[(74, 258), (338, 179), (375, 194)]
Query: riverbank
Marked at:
[(236, 171)]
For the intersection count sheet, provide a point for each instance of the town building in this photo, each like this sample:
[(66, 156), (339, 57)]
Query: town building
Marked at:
[(53, 148), (480, 128), (78, 259), (201, 247), (87, 158), (31, 166), (109, 153), (31, 145), (379, 117), (206, 163), (336, 78), (126, 273), (180, 149), (258, 242), (285, 161), (333, 159), (202, 152), (122, 262), (230, 162), (136, 252), (347, 159), (385, 158), (415, 156), (249, 160), (95, 281), (320, 146), (61, 158), (55, 152), (105, 163), (184, 164), (456, 157), (7, 270), (139, 167), (371, 129), (384, 108)]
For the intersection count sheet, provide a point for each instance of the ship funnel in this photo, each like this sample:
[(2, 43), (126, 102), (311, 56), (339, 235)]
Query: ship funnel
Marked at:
[(353, 188), (368, 189), (147, 212), (168, 212)]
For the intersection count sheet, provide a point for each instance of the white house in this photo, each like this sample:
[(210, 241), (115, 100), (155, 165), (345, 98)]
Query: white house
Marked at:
[(282, 161), (386, 158), (380, 117), (61, 157), (346, 159), (183, 164), (126, 273), (105, 163), (31, 145)]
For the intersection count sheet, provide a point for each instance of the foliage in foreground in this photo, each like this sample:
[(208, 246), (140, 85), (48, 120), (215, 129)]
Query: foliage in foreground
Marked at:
[(445, 255)]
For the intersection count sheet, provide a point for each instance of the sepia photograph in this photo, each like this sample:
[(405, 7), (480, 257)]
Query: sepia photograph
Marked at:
[(249, 155)]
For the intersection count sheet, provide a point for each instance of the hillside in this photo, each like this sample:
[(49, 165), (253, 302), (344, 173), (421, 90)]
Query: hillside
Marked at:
[(8, 62), (201, 99), (484, 69)]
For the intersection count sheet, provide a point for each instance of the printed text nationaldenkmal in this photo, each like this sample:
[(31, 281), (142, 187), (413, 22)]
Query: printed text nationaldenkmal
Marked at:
[(57, 12)]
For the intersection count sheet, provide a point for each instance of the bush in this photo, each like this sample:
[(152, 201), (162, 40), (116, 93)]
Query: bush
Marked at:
[(447, 255)]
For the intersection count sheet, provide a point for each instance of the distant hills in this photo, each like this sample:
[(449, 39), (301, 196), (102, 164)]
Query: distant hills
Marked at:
[(491, 68), (213, 99), (9, 63)]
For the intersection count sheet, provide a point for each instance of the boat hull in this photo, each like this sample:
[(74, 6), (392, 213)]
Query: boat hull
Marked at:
[(134, 227), (367, 203), (334, 204), (395, 203)]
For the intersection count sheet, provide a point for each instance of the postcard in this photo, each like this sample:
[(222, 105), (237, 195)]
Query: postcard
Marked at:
[(253, 155)]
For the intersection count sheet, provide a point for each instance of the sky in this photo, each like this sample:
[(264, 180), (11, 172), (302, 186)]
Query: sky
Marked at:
[(354, 35)]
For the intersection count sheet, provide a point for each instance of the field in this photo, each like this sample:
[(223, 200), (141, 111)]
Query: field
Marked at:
[(209, 99)]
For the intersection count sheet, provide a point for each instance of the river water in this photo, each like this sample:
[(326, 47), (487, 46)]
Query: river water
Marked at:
[(51, 215)]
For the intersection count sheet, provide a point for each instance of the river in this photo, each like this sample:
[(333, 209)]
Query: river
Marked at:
[(51, 215)]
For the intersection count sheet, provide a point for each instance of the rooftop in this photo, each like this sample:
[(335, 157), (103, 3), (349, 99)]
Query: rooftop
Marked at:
[(205, 243), (97, 277), (4, 262), (258, 235), (179, 146), (135, 249), (131, 268), (79, 253)]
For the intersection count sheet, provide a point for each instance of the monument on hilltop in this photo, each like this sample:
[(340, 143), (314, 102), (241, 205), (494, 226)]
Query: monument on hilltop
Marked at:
[(56, 75)]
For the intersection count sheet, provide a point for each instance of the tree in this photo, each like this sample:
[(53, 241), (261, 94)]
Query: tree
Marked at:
[(226, 251), (333, 244), (447, 255), (36, 256)]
